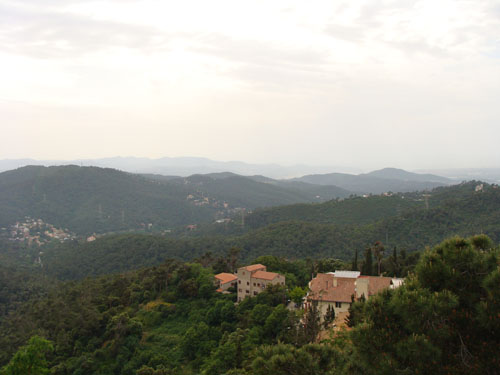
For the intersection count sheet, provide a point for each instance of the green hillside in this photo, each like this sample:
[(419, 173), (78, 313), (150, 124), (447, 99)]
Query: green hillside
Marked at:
[(248, 192), (369, 209), (356, 210), (89, 199)]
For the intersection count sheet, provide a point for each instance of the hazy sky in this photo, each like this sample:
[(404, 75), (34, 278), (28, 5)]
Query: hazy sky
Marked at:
[(411, 84)]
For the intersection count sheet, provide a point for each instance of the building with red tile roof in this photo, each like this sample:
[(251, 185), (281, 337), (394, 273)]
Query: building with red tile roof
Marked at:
[(254, 267), (254, 279), (224, 281), (337, 289)]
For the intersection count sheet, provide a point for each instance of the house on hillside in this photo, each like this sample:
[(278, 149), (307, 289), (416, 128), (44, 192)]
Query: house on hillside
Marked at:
[(336, 289), (254, 279), (224, 281)]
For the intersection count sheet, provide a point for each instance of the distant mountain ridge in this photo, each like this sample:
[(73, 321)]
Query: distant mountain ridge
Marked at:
[(178, 166), (377, 182), (401, 174)]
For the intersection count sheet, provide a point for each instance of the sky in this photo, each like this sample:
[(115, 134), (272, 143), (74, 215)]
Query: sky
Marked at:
[(360, 83)]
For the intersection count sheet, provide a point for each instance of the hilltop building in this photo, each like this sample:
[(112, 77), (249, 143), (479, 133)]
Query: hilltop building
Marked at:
[(250, 280), (254, 279), (336, 289)]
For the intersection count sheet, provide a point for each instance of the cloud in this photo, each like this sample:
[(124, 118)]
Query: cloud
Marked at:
[(54, 34), (418, 27)]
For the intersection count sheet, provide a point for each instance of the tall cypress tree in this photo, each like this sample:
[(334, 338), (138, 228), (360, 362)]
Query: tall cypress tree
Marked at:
[(354, 265), (367, 268)]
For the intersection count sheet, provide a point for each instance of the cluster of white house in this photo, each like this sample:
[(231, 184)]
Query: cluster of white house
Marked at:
[(335, 289)]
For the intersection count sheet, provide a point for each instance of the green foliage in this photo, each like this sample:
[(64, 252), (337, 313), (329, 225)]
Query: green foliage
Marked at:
[(297, 294), (160, 320), (311, 327), (285, 359), (367, 268), (329, 316), (167, 320), (30, 359)]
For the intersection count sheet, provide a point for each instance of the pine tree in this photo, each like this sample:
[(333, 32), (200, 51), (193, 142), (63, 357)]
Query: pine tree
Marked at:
[(311, 324), (355, 310), (329, 316)]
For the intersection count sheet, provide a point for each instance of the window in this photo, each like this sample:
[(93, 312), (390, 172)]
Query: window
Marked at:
[(239, 281), (248, 283), (239, 290), (247, 291), (258, 284), (253, 284), (338, 304), (254, 293)]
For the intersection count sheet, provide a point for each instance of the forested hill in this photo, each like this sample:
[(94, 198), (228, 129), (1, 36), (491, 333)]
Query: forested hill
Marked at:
[(91, 199), (370, 209), (254, 191)]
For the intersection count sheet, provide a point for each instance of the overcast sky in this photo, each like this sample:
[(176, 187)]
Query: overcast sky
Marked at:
[(410, 84)]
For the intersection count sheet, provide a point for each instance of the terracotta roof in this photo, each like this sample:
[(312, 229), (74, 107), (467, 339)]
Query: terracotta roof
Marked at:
[(226, 277), (322, 288), (264, 275), (321, 281), (255, 267)]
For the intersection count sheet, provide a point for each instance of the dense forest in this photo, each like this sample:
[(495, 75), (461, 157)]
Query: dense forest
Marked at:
[(169, 320), (464, 212)]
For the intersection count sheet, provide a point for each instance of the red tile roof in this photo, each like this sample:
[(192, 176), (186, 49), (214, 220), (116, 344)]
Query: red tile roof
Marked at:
[(255, 267), (226, 277), (322, 288), (264, 275)]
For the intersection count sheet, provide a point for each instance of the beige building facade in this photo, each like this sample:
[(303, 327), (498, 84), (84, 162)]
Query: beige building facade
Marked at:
[(254, 279)]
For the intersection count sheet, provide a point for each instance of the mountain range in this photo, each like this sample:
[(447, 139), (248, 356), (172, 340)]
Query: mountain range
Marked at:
[(179, 166), (380, 181), (91, 199)]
